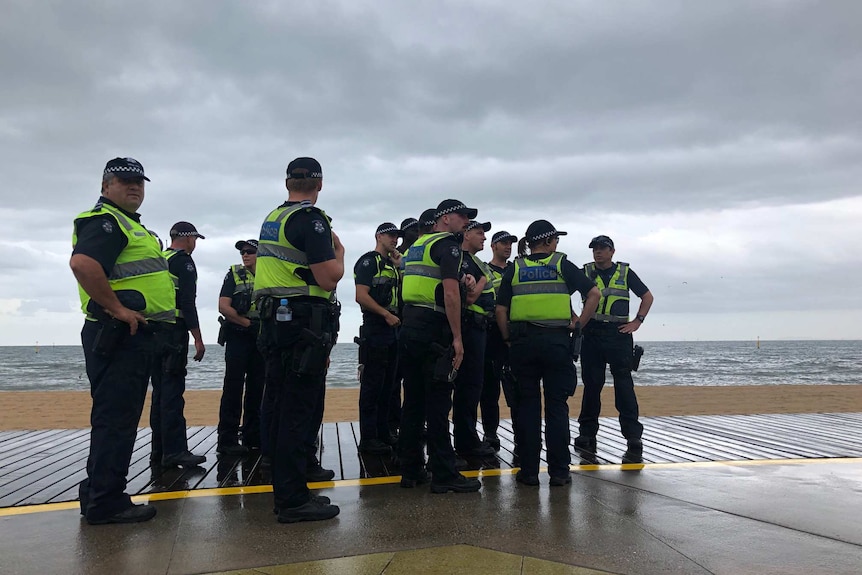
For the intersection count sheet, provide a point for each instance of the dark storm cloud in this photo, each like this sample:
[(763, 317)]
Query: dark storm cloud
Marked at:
[(652, 114), (656, 105)]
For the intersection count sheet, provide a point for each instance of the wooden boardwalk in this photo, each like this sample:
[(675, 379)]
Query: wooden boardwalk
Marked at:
[(46, 466)]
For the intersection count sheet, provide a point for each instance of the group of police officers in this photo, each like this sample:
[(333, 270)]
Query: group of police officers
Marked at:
[(438, 323)]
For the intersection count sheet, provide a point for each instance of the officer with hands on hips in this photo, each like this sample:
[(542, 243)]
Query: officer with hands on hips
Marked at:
[(608, 341)]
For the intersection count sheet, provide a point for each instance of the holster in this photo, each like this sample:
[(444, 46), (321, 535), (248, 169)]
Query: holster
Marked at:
[(310, 353), (174, 353), (575, 346), (221, 331), (636, 357), (443, 370), (111, 334), (509, 385)]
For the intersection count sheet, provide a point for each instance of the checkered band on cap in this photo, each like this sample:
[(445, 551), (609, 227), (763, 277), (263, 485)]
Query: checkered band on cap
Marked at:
[(125, 169), (503, 235), (388, 230), (549, 234), (451, 210), (474, 224)]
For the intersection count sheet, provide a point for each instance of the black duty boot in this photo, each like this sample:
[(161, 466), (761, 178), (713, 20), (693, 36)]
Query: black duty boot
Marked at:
[(634, 452), (585, 447), (231, 448), (318, 473), (374, 447), (183, 459)]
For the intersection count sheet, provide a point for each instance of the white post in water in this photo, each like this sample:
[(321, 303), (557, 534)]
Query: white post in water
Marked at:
[(758, 342)]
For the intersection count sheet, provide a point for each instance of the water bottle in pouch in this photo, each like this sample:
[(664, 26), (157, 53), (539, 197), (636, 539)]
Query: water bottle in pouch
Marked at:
[(283, 312)]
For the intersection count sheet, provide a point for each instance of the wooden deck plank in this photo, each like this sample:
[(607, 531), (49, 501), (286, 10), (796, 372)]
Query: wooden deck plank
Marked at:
[(47, 465)]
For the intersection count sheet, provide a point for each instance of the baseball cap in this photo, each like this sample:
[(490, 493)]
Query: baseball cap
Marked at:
[(242, 243), (542, 229), (389, 228), (125, 168), (184, 229), (428, 217), (301, 168), (474, 224), (409, 223), (454, 207), (601, 241), (503, 236)]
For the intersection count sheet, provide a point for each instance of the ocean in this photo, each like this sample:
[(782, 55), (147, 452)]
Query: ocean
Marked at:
[(707, 363)]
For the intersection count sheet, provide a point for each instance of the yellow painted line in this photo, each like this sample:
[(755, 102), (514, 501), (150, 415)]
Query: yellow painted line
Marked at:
[(256, 489)]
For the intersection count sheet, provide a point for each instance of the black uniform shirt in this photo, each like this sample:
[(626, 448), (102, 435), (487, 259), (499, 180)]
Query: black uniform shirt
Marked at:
[(498, 269), (309, 231), (228, 285), (182, 266), (101, 238), (366, 268), (576, 280)]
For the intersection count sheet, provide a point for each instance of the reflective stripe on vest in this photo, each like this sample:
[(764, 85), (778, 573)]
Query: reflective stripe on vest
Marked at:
[(422, 274), (496, 278), (484, 304), (244, 286), (539, 292), (169, 253), (616, 291), (279, 262), (140, 267)]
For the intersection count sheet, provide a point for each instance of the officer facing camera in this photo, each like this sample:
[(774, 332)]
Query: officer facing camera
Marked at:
[(608, 341), (244, 366)]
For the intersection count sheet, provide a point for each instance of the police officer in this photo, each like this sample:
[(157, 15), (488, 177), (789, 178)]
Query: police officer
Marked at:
[(170, 445), (377, 278), (126, 293), (409, 234), (424, 225), (427, 221), (495, 350), (244, 366), (299, 262), (534, 314), (478, 312), (431, 347), (608, 341)]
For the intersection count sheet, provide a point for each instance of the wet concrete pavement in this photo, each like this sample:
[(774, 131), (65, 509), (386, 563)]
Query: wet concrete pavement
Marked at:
[(752, 517)]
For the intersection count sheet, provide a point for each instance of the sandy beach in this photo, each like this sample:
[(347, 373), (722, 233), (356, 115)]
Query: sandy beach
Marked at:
[(71, 409)]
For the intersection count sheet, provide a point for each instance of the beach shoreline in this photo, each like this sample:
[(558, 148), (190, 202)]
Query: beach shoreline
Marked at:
[(26, 410)]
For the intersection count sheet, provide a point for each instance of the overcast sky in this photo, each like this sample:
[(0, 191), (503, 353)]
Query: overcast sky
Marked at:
[(718, 143)]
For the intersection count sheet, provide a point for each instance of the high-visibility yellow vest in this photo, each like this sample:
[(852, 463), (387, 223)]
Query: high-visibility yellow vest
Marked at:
[(539, 292), (169, 253), (422, 275), (496, 278), (617, 290), (384, 284), (243, 286), (484, 304), (278, 261), (140, 267)]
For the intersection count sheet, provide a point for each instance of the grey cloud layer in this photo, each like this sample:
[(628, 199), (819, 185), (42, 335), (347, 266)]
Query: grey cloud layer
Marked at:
[(665, 111)]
